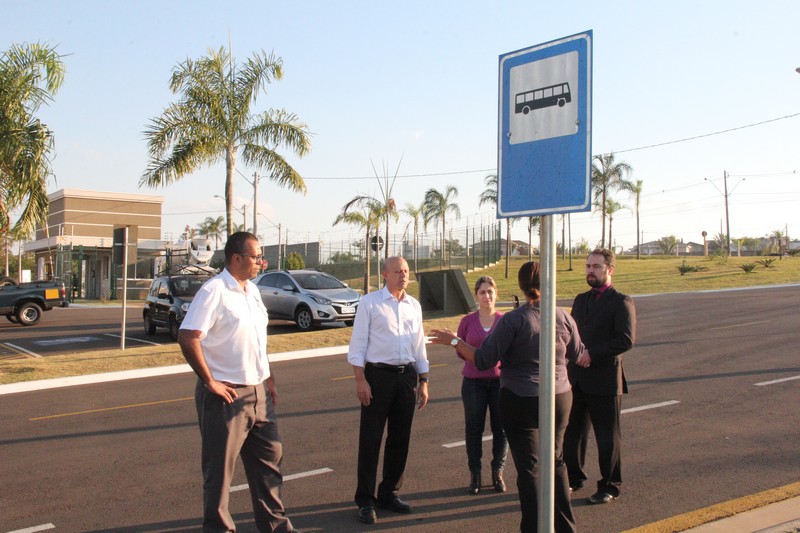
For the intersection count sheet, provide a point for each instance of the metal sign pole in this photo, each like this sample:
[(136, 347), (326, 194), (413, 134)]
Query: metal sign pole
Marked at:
[(124, 289), (547, 375)]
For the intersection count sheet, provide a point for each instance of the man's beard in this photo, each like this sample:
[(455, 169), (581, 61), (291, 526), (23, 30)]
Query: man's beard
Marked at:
[(594, 282)]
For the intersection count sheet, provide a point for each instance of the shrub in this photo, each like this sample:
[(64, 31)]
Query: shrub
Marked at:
[(683, 268), (748, 267), (766, 263), (294, 261)]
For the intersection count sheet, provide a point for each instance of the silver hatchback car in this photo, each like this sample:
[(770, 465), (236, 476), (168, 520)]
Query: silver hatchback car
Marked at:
[(309, 297)]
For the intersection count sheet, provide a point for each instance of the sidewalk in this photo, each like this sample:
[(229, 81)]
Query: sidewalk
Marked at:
[(779, 517)]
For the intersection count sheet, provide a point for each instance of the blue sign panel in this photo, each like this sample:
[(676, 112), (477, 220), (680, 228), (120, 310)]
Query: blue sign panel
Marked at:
[(544, 139)]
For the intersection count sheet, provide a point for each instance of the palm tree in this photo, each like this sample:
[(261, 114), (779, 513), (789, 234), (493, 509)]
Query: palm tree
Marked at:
[(436, 207), (416, 214), (777, 239), (636, 191), (240, 227), (607, 177), (532, 223), (213, 121), (368, 217), (212, 227), (30, 75), (668, 245), (612, 207), (489, 196)]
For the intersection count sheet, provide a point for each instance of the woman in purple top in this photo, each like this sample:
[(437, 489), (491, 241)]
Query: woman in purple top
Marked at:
[(480, 390), (515, 342)]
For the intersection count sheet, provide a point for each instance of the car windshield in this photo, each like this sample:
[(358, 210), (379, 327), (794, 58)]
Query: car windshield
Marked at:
[(187, 286), (317, 281)]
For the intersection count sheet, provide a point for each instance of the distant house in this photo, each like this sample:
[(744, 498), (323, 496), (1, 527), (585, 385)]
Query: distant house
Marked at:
[(681, 248)]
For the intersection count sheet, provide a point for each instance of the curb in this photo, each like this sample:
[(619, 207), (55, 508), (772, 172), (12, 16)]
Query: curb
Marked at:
[(44, 384)]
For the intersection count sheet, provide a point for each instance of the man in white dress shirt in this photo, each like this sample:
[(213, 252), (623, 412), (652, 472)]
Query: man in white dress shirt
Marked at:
[(387, 351), (224, 340)]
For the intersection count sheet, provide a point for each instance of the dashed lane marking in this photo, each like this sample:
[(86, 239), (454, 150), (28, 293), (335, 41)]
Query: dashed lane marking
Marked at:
[(631, 410), (463, 442), (90, 411), (290, 477), (651, 406), (42, 527), (739, 325), (774, 381)]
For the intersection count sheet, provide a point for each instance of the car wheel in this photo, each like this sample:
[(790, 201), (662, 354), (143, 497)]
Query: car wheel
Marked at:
[(29, 314), (349, 323), (303, 318), (174, 327), (149, 326), (7, 281)]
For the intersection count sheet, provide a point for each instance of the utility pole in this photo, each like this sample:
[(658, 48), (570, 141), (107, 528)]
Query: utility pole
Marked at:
[(726, 194), (255, 204), (727, 217)]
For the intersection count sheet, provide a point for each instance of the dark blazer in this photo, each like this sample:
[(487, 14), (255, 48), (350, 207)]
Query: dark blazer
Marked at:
[(607, 330)]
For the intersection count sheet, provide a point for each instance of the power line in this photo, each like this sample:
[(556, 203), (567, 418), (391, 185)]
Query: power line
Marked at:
[(483, 170), (708, 134)]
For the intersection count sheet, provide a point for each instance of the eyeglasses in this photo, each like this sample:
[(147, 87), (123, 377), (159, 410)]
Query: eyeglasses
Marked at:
[(257, 258)]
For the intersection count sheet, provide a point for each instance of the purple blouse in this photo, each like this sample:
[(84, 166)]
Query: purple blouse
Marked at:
[(471, 331)]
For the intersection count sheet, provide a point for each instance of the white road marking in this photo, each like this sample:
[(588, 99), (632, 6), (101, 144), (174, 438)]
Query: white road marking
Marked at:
[(20, 348), (651, 406), (463, 442), (43, 527), (774, 381), (65, 340), (739, 325), (631, 410), (290, 477), (132, 339)]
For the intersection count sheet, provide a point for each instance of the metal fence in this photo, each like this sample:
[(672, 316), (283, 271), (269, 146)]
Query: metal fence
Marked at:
[(465, 247)]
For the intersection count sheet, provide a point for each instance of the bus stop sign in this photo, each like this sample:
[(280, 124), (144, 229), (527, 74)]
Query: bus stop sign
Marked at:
[(544, 138)]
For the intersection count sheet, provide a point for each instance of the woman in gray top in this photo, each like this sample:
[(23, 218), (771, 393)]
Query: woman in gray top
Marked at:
[(514, 342)]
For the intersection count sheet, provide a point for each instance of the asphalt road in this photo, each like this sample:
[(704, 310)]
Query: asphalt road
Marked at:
[(715, 425), (65, 330)]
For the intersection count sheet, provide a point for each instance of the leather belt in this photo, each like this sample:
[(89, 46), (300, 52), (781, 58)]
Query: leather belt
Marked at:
[(236, 385), (399, 369)]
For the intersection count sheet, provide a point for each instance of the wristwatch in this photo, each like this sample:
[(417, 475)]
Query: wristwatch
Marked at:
[(423, 380), (454, 342)]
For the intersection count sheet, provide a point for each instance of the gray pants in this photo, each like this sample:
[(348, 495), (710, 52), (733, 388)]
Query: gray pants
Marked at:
[(247, 427)]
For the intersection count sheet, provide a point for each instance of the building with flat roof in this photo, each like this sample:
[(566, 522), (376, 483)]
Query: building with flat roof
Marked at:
[(77, 243)]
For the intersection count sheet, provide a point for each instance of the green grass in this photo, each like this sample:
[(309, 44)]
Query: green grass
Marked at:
[(646, 276)]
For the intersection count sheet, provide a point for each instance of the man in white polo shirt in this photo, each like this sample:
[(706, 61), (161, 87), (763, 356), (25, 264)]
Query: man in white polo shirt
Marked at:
[(224, 340)]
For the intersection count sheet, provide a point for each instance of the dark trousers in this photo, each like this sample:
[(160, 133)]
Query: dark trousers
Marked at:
[(480, 395), (392, 407), (601, 413), (521, 424), (247, 427)]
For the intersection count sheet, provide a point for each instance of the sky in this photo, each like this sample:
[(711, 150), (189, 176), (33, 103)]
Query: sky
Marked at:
[(683, 91)]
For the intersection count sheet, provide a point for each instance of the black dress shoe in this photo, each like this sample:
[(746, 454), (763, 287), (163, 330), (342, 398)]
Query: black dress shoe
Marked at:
[(600, 497), (575, 487), (366, 514), (395, 504), (497, 481), (474, 483)]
